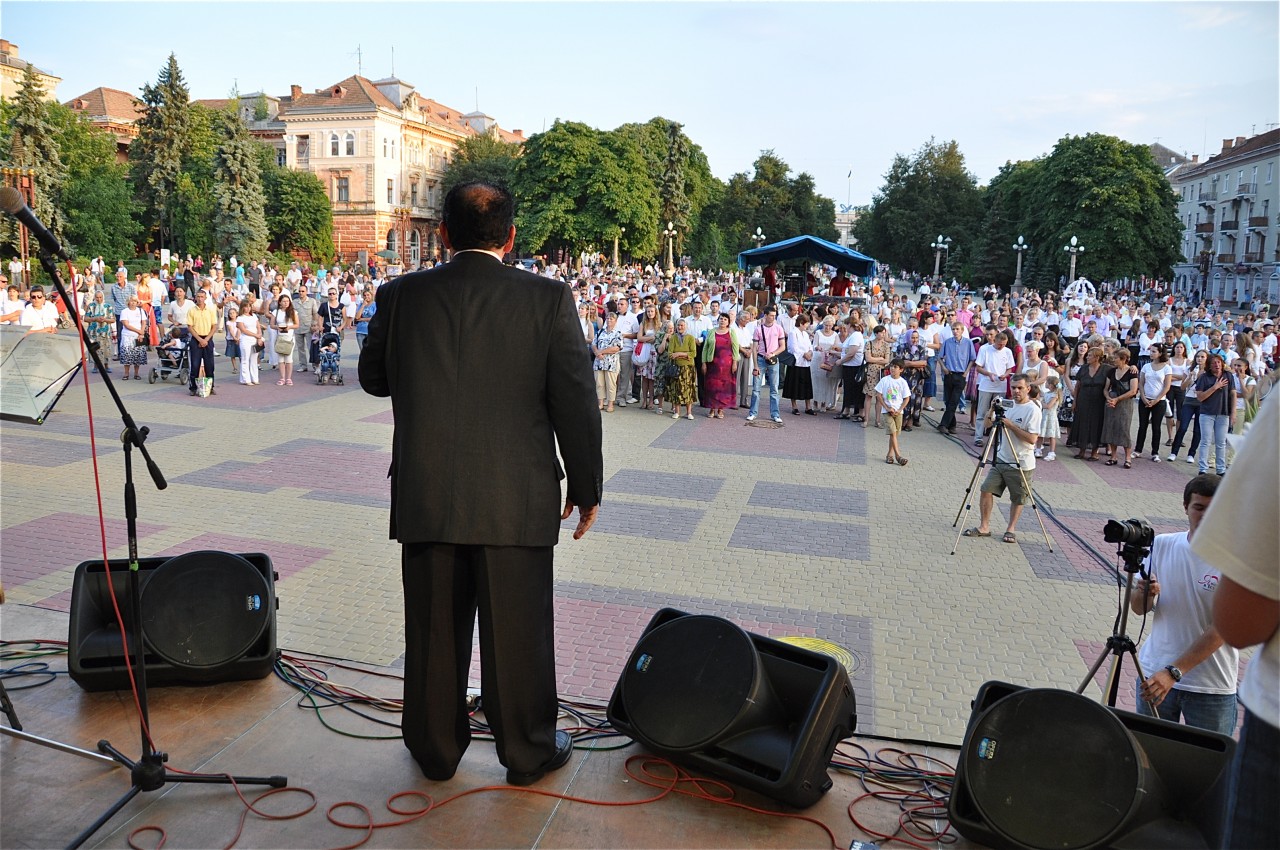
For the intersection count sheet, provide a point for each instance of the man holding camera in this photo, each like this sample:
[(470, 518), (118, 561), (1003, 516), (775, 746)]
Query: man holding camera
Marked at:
[(1015, 459), (1191, 672)]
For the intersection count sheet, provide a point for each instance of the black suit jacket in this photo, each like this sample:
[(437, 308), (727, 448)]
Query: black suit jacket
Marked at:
[(487, 371)]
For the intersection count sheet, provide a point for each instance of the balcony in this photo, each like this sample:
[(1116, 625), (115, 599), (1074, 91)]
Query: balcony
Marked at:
[(1245, 189), (1207, 199), (1258, 222), (1232, 225), (1227, 259), (1205, 227), (1255, 257)]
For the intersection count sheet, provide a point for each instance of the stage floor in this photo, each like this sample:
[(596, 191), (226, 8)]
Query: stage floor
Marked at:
[(257, 729)]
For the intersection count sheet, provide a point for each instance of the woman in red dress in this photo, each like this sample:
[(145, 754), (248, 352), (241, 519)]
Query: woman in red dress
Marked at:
[(720, 366)]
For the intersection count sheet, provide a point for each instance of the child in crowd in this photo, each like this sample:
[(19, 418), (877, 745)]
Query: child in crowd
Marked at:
[(893, 393), (1050, 398)]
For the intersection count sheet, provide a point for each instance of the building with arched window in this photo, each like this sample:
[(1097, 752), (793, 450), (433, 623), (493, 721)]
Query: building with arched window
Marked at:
[(381, 149)]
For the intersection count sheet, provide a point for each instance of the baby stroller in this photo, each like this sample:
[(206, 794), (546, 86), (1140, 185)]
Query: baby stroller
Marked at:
[(171, 360), (330, 357)]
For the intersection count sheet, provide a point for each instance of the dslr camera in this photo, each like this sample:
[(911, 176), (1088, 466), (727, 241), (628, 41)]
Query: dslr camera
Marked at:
[(1129, 532)]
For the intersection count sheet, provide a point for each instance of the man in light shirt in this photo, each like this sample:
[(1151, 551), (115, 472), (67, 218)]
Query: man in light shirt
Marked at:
[(40, 316), (995, 363)]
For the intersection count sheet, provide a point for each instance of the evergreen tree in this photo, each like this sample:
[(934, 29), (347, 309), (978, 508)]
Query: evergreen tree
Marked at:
[(156, 155), (240, 224), (33, 144)]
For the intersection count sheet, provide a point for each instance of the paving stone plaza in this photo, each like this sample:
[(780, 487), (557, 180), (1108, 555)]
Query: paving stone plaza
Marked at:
[(800, 530)]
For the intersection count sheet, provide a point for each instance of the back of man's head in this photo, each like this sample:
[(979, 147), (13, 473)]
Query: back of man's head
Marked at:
[(478, 215)]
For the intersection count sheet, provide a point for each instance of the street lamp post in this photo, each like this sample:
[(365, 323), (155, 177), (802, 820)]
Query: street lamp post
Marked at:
[(620, 231), (942, 243), (670, 233), (1074, 249), (758, 237), (1020, 246)]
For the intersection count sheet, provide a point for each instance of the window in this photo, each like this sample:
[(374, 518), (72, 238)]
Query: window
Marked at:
[(393, 148), (333, 144), (384, 146), (415, 247), (391, 239), (304, 147), (343, 189), (391, 191), (282, 157), (351, 144), (1270, 165), (413, 194)]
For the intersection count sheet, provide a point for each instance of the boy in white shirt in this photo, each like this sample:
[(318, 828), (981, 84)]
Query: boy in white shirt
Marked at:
[(893, 393)]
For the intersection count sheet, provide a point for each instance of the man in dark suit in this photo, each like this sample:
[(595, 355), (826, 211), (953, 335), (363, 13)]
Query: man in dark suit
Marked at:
[(475, 485)]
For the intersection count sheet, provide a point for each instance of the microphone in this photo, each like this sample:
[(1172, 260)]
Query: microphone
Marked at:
[(11, 202)]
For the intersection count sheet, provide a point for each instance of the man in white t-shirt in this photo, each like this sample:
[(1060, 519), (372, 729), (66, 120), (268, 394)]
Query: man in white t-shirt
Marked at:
[(1240, 536), (629, 326), (39, 316), (1191, 672), (1014, 463), (994, 363), (179, 310)]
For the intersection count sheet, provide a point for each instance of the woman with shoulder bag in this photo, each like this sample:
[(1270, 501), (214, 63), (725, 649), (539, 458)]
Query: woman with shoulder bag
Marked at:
[(644, 360), (284, 321)]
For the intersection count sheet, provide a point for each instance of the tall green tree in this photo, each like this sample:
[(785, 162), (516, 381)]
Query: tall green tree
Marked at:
[(164, 140), (1110, 194), (299, 217), (924, 195), (483, 157), (32, 144), (240, 225), (97, 200), (680, 173), (770, 199), (576, 187), (193, 204)]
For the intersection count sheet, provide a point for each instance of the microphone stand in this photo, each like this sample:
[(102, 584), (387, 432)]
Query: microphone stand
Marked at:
[(148, 773)]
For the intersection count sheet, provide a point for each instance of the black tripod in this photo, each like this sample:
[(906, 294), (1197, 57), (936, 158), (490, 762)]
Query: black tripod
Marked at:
[(148, 772), (1120, 644)]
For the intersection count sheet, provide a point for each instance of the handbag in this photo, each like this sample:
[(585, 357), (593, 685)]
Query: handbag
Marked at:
[(284, 344), (670, 370), (642, 354), (828, 361)]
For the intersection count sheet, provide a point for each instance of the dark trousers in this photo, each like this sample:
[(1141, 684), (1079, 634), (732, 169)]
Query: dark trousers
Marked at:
[(1189, 415), (854, 389), (702, 378), (1251, 809), (952, 392), (445, 585), (1150, 418), (200, 354)]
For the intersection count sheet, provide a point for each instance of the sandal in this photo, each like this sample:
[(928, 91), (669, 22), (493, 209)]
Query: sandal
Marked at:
[(974, 532), (689, 417), (658, 410), (1009, 537), (810, 413), (889, 460), (902, 461), (795, 411), (288, 382), (1127, 465), (859, 419), (1112, 462)]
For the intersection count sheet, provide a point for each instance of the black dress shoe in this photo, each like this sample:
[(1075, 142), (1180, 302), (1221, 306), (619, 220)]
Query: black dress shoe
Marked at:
[(564, 749)]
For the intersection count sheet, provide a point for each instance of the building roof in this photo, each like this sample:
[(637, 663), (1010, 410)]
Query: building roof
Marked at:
[(104, 104), (214, 103), (355, 92), (9, 56), (1241, 148)]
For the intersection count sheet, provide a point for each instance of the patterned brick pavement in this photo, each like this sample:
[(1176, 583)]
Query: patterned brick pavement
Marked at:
[(786, 531)]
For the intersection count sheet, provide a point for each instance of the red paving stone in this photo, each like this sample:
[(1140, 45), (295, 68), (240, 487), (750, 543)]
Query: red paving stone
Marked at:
[(386, 417), (60, 541), (287, 559), (814, 439)]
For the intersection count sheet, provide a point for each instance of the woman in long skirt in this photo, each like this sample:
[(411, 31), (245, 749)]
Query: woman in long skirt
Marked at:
[(798, 385), (682, 390), (720, 368)]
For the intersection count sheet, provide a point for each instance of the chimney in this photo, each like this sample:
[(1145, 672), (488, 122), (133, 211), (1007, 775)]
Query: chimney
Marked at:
[(295, 92), (1239, 141), (1226, 146), (1195, 157), (519, 133)]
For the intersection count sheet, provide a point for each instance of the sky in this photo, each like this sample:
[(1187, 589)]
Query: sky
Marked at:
[(836, 89)]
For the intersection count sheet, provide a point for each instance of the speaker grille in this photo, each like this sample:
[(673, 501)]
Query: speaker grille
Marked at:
[(205, 609)]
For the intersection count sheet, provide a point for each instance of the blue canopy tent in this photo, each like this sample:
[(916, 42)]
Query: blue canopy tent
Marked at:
[(811, 248)]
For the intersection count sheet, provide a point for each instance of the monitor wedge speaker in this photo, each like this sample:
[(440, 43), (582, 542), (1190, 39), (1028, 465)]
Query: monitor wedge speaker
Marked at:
[(206, 617), (755, 711)]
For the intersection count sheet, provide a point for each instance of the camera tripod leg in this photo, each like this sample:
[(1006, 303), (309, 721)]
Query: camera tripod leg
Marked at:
[(966, 504), (1035, 508)]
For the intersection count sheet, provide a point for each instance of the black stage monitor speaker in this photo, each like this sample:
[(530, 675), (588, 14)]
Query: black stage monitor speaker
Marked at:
[(758, 712), (206, 617), (1044, 768)]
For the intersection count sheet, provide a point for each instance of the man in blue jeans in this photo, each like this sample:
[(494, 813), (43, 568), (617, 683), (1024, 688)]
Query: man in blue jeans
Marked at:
[(1191, 672), (770, 341)]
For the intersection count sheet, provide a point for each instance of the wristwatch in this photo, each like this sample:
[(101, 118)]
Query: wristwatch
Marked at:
[(1175, 673)]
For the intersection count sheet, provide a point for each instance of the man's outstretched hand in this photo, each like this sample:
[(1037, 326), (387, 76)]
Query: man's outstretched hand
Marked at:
[(586, 518)]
